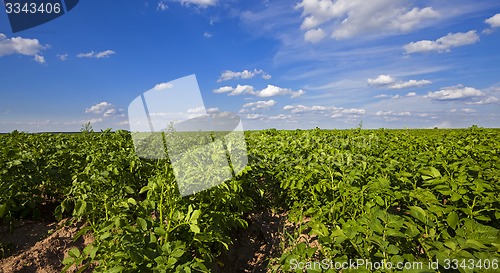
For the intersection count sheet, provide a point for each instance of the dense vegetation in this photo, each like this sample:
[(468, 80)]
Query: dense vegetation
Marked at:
[(377, 195)]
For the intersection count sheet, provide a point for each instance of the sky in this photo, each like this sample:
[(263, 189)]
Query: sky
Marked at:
[(277, 64)]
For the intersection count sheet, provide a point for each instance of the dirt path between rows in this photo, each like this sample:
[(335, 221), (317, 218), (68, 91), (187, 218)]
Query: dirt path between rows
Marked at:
[(40, 246)]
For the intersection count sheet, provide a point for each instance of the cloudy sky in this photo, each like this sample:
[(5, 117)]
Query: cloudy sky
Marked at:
[(277, 63)]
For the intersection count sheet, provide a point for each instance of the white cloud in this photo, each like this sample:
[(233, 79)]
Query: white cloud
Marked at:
[(93, 121), (207, 35), (411, 94), (62, 57), (110, 112), (200, 3), (464, 110), (280, 117), (98, 55), (240, 89), (269, 91), (196, 110), (39, 59), (245, 74), (314, 35), (213, 110), (105, 108), (454, 92), (332, 110), (391, 113), (381, 80), (357, 17), (410, 83), (272, 90), (390, 82), (444, 43), (494, 21), (163, 86), (162, 5), (99, 108), (23, 46), (254, 116), (488, 100), (260, 104)]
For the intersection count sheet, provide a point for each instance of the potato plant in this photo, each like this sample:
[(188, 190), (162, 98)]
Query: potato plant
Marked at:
[(378, 195)]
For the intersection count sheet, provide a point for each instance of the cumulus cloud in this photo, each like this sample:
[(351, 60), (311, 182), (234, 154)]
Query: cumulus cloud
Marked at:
[(272, 90), (351, 18), (39, 59), (494, 21), (104, 108), (199, 3), (269, 91), (233, 91), (454, 92), (260, 104), (97, 55), (23, 46), (314, 35), (254, 116), (411, 94), (444, 43), (390, 82), (381, 80), (207, 35), (213, 110), (163, 86), (410, 83), (245, 74)]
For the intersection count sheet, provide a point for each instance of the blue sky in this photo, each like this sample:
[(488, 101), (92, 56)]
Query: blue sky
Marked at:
[(278, 64)]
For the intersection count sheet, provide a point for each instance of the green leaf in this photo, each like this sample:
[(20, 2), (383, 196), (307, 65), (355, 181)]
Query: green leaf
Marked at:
[(194, 228), (471, 243), (452, 219), (132, 201), (143, 225), (418, 213), (160, 231), (195, 215), (68, 260), (74, 252), (129, 190), (392, 249), (80, 207), (104, 235)]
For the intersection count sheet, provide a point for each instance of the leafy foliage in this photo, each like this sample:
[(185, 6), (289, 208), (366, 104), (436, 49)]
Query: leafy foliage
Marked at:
[(380, 195)]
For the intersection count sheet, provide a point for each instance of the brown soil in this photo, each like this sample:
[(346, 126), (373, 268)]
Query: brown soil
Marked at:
[(39, 246), (255, 246)]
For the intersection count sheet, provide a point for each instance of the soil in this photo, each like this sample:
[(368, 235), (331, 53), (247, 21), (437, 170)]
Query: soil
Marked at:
[(40, 246), (255, 246)]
